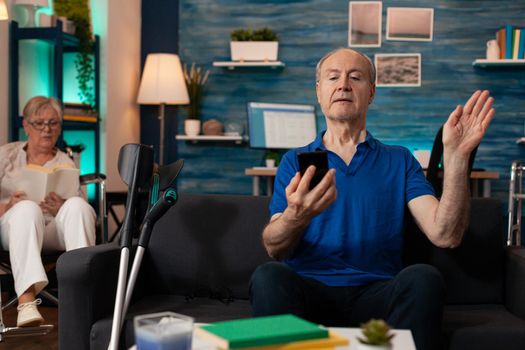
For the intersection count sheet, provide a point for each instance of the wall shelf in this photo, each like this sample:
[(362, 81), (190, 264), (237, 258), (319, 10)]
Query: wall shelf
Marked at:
[(248, 64), (484, 63), (214, 138), (49, 34)]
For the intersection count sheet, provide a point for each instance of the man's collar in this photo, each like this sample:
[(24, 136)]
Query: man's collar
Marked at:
[(370, 140), (319, 145)]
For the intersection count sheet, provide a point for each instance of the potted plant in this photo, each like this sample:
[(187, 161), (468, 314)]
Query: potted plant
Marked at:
[(271, 159), (376, 336), (195, 79), (254, 45), (78, 11)]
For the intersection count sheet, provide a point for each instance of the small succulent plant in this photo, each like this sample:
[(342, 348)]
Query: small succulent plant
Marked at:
[(376, 332)]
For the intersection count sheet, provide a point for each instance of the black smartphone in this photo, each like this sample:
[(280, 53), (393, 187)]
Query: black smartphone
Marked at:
[(319, 159)]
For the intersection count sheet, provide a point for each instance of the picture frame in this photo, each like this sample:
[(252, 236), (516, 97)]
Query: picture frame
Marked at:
[(364, 23), (398, 70), (409, 24)]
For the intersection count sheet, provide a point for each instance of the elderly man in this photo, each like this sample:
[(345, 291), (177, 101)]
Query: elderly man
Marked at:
[(340, 243)]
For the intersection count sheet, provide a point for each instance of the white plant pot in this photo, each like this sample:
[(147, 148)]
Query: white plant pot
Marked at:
[(361, 346), (192, 127), (270, 163), (254, 50)]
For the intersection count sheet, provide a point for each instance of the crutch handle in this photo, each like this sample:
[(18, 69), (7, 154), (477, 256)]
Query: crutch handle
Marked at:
[(168, 199)]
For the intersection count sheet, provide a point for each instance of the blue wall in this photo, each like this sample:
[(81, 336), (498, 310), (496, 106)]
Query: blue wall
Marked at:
[(308, 29)]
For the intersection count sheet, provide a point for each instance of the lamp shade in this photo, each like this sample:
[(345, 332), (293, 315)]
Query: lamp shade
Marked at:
[(39, 3), (163, 81), (3, 10)]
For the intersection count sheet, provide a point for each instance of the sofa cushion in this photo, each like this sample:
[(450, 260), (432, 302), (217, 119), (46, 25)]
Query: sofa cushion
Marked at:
[(473, 272), (480, 327), (204, 310), (207, 244)]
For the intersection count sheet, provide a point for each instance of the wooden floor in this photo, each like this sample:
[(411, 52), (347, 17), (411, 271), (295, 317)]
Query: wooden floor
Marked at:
[(43, 342)]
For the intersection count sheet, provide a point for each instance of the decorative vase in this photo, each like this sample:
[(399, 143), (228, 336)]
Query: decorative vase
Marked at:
[(492, 50), (233, 129), (212, 127), (192, 127)]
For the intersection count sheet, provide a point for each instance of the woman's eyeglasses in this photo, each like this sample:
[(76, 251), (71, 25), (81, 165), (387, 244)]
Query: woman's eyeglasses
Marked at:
[(41, 124)]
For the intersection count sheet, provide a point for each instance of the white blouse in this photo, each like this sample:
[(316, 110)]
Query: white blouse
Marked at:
[(13, 157)]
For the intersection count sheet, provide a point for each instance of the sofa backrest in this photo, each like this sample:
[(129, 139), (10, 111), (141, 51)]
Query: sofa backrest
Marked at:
[(474, 271), (207, 245)]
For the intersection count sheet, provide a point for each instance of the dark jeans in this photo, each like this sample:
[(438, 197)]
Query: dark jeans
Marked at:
[(411, 300)]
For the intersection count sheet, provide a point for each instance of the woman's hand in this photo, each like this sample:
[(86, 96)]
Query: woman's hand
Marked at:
[(15, 198), (52, 203)]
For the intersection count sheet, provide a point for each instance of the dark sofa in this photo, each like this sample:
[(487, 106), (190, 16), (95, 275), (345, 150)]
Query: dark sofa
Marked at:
[(203, 251)]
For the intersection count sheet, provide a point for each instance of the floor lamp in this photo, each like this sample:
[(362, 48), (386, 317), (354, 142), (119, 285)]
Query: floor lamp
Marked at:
[(162, 84)]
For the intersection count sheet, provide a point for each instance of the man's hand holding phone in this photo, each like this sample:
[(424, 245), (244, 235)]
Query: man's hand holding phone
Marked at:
[(306, 198), (284, 230), (319, 159)]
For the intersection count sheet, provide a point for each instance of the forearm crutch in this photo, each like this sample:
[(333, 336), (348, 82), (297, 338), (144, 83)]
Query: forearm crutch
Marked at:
[(167, 177), (135, 164)]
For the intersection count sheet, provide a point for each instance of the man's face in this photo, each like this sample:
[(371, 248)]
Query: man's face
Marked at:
[(344, 90)]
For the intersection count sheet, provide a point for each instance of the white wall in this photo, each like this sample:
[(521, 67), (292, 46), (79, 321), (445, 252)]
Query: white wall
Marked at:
[(118, 22)]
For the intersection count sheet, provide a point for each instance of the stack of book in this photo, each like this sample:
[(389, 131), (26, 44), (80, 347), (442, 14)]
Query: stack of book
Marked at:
[(511, 42), (281, 332), (78, 112)]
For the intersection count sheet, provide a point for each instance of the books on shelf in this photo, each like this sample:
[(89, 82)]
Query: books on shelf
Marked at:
[(79, 112), (262, 332), (521, 45), (37, 181), (511, 42), (500, 38), (508, 41), (516, 43)]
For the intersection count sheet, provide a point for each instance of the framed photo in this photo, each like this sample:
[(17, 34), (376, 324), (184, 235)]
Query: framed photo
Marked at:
[(364, 23), (409, 23), (398, 70)]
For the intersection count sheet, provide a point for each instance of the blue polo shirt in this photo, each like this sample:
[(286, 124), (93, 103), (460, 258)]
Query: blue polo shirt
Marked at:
[(359, 238)]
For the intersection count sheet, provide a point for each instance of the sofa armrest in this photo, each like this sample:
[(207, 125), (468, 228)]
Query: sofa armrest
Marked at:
[(515, 281), (87, 280)]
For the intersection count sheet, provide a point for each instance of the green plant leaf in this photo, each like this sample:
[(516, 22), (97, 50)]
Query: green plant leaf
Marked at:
[(196, 80), (263, 34), (78, 12)]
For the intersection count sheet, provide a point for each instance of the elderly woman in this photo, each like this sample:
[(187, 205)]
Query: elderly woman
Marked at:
[(27, 227)]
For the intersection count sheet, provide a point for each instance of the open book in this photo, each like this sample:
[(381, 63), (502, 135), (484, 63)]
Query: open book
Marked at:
[(37, 181)]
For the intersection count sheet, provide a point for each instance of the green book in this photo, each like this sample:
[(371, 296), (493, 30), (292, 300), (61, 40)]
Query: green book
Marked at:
[(259, 331)]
